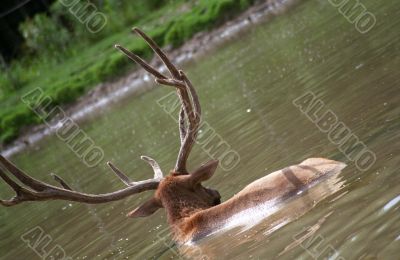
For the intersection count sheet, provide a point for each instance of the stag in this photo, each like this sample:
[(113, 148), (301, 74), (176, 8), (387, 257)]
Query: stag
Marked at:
[(193, 211)]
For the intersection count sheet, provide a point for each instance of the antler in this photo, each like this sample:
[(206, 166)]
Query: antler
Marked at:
[(189, 120), (190, 113), (36, 190)]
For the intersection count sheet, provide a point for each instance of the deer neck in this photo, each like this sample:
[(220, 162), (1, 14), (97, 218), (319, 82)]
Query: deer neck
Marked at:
[(179, 215)]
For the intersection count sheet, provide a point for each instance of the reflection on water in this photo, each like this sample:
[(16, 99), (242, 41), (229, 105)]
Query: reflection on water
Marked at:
[(260, 223), (246, 89)]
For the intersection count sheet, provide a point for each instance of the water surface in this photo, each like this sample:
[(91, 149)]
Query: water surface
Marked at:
[(246, 89)]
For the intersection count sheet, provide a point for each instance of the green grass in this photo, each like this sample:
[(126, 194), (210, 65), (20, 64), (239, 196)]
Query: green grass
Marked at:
[(81, 67)]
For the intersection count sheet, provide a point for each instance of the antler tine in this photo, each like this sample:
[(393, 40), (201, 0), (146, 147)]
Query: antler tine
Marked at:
[(171, 67), (60, 181), (28, 180), (183, 97), (171, 82), (187, 95), (9, 181), (190, 109), (194, 118), (193, 93), (122, 176), (158, 174), (49, 192), (177, 74), (141, 62), (21, 176), (21, 194), (182, 129)]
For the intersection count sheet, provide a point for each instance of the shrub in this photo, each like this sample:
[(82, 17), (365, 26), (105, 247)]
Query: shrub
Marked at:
[(50, 34), (42, 35), (8, 135), (203, 16), (12, 122)]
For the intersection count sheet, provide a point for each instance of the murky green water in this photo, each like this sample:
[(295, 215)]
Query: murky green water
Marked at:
[(246, 89)]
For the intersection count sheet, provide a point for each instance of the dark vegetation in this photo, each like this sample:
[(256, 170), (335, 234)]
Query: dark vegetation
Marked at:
[(65, 60)]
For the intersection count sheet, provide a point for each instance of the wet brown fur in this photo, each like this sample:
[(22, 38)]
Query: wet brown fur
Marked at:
[(192, 211)]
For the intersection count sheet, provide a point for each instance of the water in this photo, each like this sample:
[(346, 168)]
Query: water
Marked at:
[(246, 89)]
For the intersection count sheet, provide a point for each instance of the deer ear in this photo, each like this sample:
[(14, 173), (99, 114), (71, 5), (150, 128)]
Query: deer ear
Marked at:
[(204, 172), (146, 209)]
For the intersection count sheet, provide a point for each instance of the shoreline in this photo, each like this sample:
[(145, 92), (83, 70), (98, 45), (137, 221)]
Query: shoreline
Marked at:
[(137, 81)]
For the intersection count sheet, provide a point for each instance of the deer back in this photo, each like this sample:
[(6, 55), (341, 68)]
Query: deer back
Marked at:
[(263, 195)]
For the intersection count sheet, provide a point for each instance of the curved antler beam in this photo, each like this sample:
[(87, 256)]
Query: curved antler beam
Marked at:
[(40, 191)]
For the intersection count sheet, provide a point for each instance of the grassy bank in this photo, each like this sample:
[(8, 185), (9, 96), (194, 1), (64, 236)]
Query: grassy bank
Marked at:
[(81, 65)]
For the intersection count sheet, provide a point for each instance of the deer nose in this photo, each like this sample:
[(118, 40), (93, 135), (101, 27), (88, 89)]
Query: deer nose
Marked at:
[(217, 201), (216, 195)]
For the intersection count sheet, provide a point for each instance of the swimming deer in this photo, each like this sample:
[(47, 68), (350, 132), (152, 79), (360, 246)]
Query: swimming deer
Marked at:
[(193, 211)]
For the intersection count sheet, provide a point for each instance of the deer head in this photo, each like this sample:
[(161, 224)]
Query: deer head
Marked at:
[(182, 195)]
